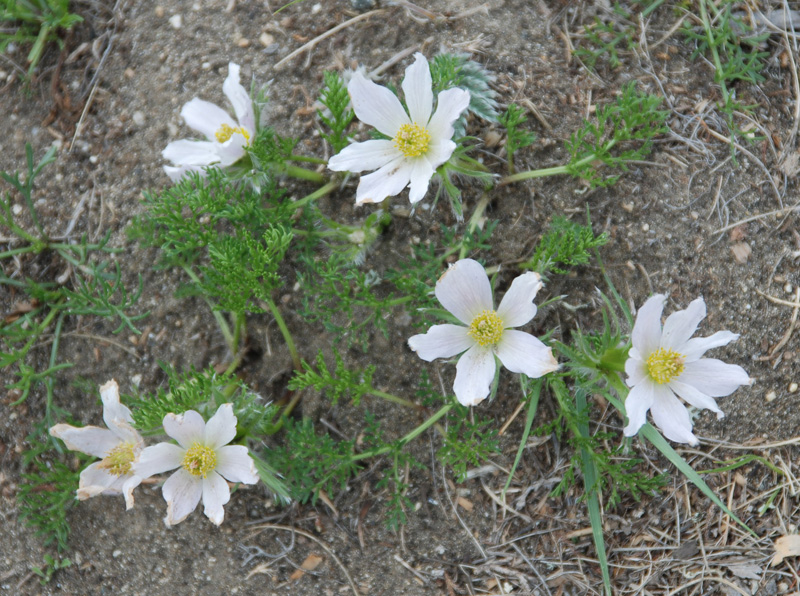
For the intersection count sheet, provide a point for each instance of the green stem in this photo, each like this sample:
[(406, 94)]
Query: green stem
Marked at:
[(713, 47), (287, 336), (319, 193), (220, 318), (19, 251), (555, 171), (305, 174), (394, 399), (480, 209)]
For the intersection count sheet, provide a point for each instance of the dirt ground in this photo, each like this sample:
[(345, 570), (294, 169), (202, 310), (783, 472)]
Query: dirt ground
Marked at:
[(671, 221)]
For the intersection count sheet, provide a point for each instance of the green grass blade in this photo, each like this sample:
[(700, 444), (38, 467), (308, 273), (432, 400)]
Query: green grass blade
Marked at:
[(533, 404)]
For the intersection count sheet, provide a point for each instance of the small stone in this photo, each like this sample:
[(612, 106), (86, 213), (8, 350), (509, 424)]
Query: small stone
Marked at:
[(645, 227), (160, 11), (771, 396), (793, 387), (206, 65), (176, 21), (129, 73), (788, 288), (136, 380), (266, 39), (116, 553), (316, 8), (17, 209), (93, 159), (138, 118), (243, 42)]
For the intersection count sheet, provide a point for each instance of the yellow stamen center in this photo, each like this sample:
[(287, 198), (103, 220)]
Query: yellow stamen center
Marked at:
[(226, 131), (199, 460), (486, 329), (119, 459), (412, 140), (665, 365)]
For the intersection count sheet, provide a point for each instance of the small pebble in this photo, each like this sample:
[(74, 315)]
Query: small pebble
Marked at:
[(771, 396), (17, 209), (645, 227), (788, 288), (138, 118), (316, 8), (243, 42), (116, 553), (266, 39), (129, 72), (792, 387), (159, 11), (176, 21)]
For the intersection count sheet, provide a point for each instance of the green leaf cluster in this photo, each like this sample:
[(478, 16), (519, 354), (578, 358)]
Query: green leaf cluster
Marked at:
[(457, 70), (341, 382), (339, 115), (516, 138), (566, 243), (467, 443)]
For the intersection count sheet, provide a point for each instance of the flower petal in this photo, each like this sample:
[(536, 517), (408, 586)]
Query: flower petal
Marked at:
[(186, 428), (521, 352), (191, 153), (361, 157), (235, 464), (439, 152), (640, 399), (376, 105), (215, 494), (464, 290), (176, 173), (714, 377), (420, 174), (672, 418), (388, 181), (158, 459), (205, 117), (441, 341), (682, 324), (182, 492), (221, 427), (635, 368), (117, 417), (474, 375), (449, 106), (91, 440), (240, 99), (646, 334), (696, 398), (232, 150), (127, 490), (697, 346), (95, 480), (417, 89), (517, 307)]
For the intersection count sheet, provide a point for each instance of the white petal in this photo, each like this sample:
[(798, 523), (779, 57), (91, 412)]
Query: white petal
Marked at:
[(417, 90), (239, 98), (388, 181), (117, 417), (646, 335), (682, 324), (672, 418), (464, 290), (91, 440), (221, 427), (187, 428), (517, 307), (635, 368), (376, 105), (215, 494), (697, 346), (696, 398), (191, 153), (205, 117), (521, 352), (421, 173), (176, 173), (158, 459), (95, 480), (182, 492), (640, 399), (714, 377), (232, 150), (127, 490), (360, 157), (235, 464), (474, 375), (441, 341), (439, 152), (449, 106)]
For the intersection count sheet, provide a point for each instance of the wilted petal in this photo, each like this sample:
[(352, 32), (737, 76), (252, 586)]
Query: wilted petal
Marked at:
[(127, 489), (450, 104), (474, 375), (215, 494), (182, 492), (714, 377), (696, 397), (158, 459), (239, 98), (640, 399), (417, 90), (186, 428), (388, 181), (521, 352), (682, 324), (369, 155), (95, 480), (205, 117), (464, 290), (672, 418), (91, 440), (420, 174), (517, 307), (697, 346), (441, 341), (235, 464), (376, 105), (646, 335), (221, 427), (191, 153)]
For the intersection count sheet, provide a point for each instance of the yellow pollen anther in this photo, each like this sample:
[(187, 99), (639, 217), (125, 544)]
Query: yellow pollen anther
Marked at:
[(226, 131), (665, 365), (486, 329), (412, 140), (119, 459), (199, 460)]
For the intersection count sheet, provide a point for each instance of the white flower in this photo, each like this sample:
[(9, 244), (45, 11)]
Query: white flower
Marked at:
[(465, 291), (227, 138), (118, 447), (203, 457), (419, 142), (665, 362)]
